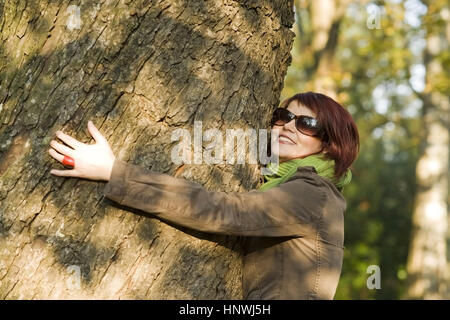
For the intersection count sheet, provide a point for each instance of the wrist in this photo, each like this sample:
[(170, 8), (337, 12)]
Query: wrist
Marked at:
[(110, 169)]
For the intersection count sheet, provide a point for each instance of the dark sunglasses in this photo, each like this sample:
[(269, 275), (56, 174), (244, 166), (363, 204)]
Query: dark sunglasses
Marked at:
[(305, 124)]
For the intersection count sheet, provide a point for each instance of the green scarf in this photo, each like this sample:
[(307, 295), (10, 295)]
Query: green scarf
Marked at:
[(324, 168)]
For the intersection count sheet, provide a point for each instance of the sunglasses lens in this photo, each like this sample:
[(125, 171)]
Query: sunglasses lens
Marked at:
[(281, 116), (308, 125), (305, 124)]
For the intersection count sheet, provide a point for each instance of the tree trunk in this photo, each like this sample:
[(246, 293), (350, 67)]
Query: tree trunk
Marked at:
[(427, 265), (138, 69)]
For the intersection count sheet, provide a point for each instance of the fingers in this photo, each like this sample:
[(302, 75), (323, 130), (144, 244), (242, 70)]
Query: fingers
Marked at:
[(64, 173), (95, 133), (62, 149), (56, 155), (74, 143)]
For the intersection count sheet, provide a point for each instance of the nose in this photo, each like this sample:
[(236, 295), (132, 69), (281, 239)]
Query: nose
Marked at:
[(290, 126)]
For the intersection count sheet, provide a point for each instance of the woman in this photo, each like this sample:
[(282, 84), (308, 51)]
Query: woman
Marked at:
[(293, 225)]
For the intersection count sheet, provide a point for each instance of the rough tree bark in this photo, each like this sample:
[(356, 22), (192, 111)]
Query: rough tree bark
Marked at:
[(427, 265), (138, 69)]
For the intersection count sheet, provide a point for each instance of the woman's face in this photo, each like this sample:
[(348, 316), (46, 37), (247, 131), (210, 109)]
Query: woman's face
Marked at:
[(292, 143)]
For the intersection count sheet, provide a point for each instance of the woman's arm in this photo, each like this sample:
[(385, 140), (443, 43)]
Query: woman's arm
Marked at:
[(291, 209)]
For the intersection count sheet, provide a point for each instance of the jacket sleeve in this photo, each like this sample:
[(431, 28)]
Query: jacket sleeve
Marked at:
[(293, 208)]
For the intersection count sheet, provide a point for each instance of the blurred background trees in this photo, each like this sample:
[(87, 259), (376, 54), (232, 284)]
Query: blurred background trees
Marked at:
[(388, 63)]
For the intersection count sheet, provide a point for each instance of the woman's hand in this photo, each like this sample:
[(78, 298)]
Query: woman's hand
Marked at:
[(92, 161)]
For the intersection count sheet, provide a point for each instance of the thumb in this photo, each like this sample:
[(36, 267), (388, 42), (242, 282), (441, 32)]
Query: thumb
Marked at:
[(95, 133)]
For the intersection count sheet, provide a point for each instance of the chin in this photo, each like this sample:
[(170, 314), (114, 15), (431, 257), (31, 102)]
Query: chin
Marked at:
[(285, 153), (284, 157)]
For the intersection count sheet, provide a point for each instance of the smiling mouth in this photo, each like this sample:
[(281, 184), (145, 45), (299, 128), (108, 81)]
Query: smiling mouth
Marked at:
[(285, 140)]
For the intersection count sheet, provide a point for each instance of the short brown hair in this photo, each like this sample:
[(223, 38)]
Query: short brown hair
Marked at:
[(341, 140)]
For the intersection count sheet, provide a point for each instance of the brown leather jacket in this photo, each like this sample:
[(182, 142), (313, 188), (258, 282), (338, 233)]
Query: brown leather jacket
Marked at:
[(293, 233)]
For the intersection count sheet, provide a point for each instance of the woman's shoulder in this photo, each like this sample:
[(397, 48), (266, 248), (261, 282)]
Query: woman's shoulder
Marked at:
[(310, 174), (307, 173), (333, 204)]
